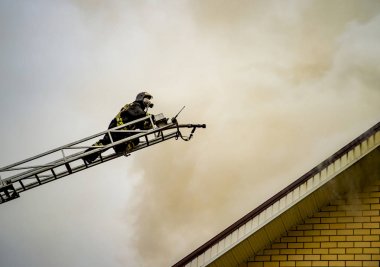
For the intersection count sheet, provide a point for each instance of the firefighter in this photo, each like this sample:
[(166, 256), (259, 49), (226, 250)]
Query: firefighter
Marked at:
[(130, 112)]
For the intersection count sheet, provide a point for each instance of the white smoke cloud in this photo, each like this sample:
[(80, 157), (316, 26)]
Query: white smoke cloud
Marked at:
[(273, 87), (281, 85)]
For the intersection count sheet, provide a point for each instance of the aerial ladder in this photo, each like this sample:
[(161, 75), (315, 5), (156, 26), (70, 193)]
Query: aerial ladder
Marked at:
[(71, 158)]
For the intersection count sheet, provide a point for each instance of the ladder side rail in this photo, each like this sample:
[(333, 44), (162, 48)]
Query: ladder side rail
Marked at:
[(26, 168), (10, 191), (8, 167), (79, 155), (72, 144), (63, 174), (114, 155), (142, 133)]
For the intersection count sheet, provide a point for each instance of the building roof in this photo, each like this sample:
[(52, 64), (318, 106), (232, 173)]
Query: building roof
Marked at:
[(289, 207)]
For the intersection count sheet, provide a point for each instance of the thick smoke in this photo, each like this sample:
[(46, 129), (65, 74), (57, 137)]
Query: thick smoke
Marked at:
[(281, 86)]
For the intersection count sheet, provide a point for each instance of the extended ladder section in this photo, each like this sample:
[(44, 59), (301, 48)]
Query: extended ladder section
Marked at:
[(70, 158)]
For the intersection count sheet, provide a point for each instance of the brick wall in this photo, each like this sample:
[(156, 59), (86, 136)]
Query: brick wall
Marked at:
[(345, 233)]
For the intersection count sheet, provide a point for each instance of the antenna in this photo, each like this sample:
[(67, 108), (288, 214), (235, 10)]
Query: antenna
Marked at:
[(174, 120)]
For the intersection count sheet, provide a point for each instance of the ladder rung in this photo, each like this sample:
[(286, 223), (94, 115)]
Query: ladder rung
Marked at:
[(22, 184), (38, 179), (68, 168), (53, 172)]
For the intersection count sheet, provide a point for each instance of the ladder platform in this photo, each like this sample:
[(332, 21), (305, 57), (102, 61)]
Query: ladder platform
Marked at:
[(71, 158)]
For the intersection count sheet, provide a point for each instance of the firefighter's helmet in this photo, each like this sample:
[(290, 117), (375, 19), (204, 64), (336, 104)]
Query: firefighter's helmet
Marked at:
[(142, 95), (144, 98)]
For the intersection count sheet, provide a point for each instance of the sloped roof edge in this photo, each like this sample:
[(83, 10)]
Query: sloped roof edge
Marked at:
[(304, 178)]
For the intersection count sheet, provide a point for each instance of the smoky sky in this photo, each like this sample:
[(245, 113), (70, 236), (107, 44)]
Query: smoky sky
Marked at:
[(281, 85)]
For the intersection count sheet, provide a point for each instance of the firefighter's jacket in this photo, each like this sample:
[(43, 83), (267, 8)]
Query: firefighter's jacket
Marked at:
[(131, 112)]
